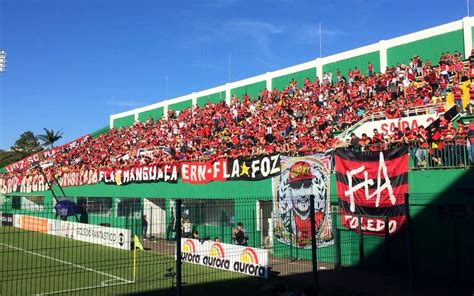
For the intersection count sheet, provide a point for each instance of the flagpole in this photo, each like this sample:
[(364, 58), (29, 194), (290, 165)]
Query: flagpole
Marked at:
[(134, 263), (136, 245), (320, 41), (229, 69), (468, 10), (167, 87)]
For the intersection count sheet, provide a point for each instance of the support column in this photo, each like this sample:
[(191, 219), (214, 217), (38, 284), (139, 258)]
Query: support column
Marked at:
[(269, 81), (383, 55), (319, 68), (165, 110), (227, 93), (467, 33)]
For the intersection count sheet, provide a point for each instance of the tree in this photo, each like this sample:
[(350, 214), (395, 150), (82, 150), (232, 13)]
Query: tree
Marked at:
[(50, 137), (8, 157), (27, 144)]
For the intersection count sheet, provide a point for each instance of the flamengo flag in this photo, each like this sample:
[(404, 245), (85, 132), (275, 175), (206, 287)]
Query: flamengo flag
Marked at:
[(371, 188)]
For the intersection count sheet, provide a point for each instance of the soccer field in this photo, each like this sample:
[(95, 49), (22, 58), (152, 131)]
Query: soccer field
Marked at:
[(34, 263)]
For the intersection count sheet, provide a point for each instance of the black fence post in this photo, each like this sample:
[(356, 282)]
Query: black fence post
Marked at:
[(387, 243), (314, 253), (337, 241), (178, 247), (254, 229), (291, 236), (361, 240), (411, 268)]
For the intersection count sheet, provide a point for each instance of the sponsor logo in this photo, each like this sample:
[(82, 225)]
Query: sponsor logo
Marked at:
[(248, 264), (189, 246), (249, 256), (216, 250), (121, 239)]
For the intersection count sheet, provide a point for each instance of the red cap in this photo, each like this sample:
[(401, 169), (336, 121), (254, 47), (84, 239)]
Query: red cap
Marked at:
[(301, 170)]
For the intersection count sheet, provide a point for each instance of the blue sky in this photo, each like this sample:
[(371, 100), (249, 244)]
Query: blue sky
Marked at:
[(73, 63)]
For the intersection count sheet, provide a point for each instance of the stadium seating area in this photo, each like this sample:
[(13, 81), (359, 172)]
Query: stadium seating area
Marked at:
[(296, 120)]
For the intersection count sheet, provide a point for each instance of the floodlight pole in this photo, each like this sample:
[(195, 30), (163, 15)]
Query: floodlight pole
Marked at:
[(167, 87), (229, 69), (320, 42)]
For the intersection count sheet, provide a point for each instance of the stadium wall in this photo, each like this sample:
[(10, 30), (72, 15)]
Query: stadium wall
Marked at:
[(428, 44), (439, 201)]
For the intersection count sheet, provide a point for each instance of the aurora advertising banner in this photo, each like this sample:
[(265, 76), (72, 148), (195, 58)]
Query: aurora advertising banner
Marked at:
[(371, 188), (302, 178), (241, 259)]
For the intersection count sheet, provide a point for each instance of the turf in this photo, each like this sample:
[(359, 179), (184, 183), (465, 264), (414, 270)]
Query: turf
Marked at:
[(34, 263)]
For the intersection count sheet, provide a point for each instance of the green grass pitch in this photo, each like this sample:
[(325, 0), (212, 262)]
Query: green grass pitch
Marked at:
[(34, 263)]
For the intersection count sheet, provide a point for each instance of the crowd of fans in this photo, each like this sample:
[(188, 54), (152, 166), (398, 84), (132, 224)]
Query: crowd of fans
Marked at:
[(295, 120)]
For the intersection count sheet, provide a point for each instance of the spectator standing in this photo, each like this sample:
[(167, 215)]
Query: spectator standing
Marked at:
[(457, 94), (442, 86), (170, 229), (239, 234), (370, 69), (186, 228), (470, 135), (354, 141), (144, 226)]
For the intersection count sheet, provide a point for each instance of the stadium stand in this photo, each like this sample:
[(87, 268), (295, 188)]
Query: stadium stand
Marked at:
[(296, 121)]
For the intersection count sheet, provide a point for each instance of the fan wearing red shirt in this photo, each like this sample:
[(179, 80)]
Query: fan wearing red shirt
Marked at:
[(392, 113), (446, 146), (442, 86), (470, 136), (365, 141), (350, 75), (397, 136), (377, 140), (421, 146), (370, 69), (457, 94), (460, 142)]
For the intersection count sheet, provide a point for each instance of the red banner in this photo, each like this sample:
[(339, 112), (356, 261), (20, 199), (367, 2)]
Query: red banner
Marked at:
[(26, 162), (371, 188)]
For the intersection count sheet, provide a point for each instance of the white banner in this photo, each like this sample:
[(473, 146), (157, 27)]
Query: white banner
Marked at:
[(107, 236), (387, 127), (246, 260)]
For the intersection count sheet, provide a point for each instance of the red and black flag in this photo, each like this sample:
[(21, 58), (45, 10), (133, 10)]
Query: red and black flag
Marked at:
[(371, 186)]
